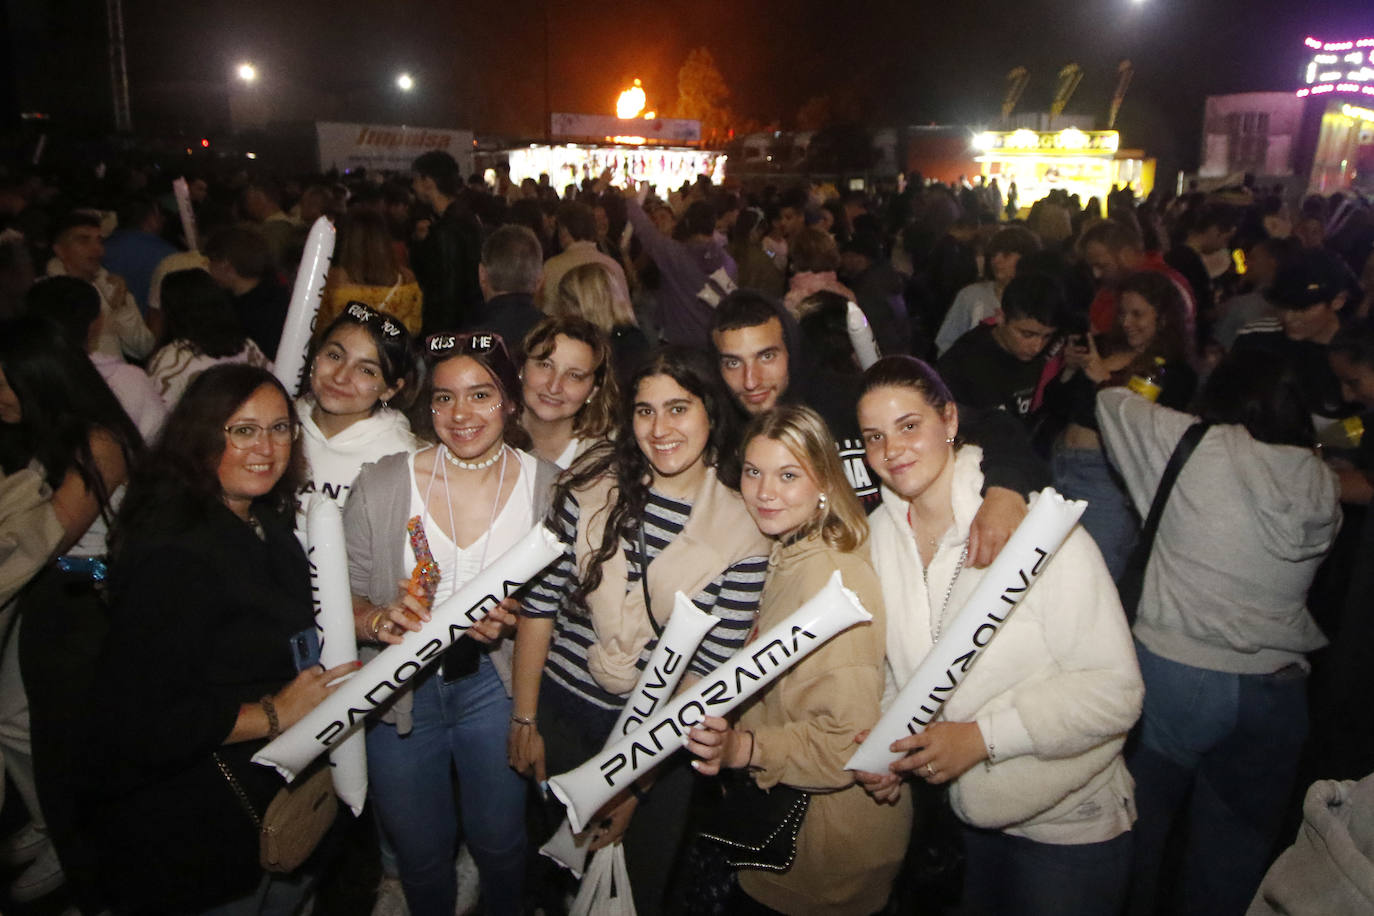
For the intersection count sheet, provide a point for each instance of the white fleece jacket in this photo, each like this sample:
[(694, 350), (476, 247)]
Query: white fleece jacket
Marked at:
[(335, 462), (1244, 531), (1054, 693)]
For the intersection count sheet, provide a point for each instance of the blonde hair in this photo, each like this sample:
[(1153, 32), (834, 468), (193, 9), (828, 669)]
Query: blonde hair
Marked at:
[(843, 524), (589, 291), (597, 418)]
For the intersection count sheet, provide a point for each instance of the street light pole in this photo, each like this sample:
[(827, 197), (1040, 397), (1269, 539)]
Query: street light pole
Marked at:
[(119, 71)]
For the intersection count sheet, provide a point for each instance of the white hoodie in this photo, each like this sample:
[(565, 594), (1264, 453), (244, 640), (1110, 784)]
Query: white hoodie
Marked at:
[(1241, 537), (333, 463)]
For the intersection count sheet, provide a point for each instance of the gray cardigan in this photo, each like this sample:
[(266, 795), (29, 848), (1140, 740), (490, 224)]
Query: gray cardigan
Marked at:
[(374, 527)]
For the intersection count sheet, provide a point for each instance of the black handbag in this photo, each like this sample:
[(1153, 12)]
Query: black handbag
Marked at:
[(1133, 578), (757, 828)]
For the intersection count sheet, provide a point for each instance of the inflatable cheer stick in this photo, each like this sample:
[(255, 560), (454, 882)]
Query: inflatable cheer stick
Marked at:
[(997, 594), (685, 630), (586, 789), (860, 335), (305, 304), (334, 623), (343, 711)]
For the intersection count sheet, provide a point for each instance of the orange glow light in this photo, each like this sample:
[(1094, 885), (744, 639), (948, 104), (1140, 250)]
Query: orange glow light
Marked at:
[(631, 102)]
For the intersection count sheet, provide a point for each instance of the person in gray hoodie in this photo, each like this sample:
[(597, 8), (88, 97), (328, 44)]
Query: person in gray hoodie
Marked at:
[(1223, 630)]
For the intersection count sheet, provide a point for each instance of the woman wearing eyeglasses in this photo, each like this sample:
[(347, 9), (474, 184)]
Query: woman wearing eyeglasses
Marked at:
[(654, 511), (419, 526), (207, 587), (363, 376)]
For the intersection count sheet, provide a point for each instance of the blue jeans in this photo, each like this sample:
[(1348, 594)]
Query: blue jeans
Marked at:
[(1010, 874), (1233, 741), (460, 725), (1110, 518)]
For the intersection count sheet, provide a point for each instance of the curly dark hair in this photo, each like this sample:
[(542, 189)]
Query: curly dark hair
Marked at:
[(178, 483), (622, 456)]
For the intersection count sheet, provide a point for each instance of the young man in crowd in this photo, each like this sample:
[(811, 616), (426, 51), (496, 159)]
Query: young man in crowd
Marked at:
[(446, 251), (1114, 251), (999, 364), (576, 228), (77, 248), (757, 345), (1310, 293), (241, 262)]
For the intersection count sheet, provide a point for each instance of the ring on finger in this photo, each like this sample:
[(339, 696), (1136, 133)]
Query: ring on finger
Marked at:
[(930, 770)]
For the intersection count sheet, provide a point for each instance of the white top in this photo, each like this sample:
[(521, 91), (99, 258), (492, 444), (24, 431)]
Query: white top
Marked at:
[(135, 392), (565, 460), (458, 565), (975, 304), (1053, 694), (176, 365), (123, 331), (333, 462)]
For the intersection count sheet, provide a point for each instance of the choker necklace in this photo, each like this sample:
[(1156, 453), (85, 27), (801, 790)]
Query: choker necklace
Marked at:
[(473, 465)]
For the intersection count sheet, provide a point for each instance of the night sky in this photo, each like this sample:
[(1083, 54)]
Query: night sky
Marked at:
[(480, 63)]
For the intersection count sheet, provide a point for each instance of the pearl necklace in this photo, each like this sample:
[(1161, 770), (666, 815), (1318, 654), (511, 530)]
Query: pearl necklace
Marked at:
[(471, 465)]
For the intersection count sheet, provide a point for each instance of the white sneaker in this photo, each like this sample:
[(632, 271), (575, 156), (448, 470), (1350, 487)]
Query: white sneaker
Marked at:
[(42, 877), (391, 899), (469, 883), (24, 846)]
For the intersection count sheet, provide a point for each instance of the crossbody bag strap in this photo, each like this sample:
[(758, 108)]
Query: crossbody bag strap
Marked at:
[(1133, 580), (238, 790)]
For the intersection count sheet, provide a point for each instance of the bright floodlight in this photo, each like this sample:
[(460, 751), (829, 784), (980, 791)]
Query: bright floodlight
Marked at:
[(247, 72), (405, 82)]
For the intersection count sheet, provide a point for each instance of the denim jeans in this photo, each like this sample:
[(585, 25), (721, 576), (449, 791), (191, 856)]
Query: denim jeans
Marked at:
[(1110, 518), (1011, 874), (1233, 741), (460, 725)]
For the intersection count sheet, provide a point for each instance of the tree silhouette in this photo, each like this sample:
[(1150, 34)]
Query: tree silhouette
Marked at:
[(703, 96)]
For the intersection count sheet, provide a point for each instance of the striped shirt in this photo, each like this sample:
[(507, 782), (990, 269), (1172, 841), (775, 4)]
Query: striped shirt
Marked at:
[(733, 596)]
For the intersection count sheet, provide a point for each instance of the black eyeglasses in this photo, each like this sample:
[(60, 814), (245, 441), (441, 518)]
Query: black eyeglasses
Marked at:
[(479, 343), (364, 314)]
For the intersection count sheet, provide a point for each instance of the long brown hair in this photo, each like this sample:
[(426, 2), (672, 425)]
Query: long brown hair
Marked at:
[(365, 251)]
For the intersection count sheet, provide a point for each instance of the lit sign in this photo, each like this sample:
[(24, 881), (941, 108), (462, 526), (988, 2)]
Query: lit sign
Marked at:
[(1070, 140), (1339, 66)]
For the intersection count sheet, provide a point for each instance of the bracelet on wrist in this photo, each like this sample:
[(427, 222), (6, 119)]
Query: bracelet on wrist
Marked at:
[(374, 624), (639, 794), (752, 741), (522, 720), (269, 708)]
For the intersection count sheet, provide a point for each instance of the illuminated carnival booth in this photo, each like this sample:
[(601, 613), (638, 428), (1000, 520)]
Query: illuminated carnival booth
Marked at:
[(1088, 163), (1341, 75), (634, 145)]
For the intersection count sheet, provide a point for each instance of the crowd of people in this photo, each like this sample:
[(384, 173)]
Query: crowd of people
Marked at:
[(666, 379)]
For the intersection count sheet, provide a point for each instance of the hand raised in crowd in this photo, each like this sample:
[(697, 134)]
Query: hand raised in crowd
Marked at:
[(997, 518), (943, 752), (308, 690), (499, 623), (719, 746)]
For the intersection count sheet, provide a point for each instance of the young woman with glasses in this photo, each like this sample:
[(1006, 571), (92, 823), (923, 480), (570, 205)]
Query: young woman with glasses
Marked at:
[(208, 586), (437, 517)]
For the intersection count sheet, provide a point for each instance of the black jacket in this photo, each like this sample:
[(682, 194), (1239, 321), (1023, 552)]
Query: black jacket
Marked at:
[(445, 264), (200, 623)]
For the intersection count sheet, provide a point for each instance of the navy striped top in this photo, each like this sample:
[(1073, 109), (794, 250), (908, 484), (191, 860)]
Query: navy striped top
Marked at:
[(733, 596)]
